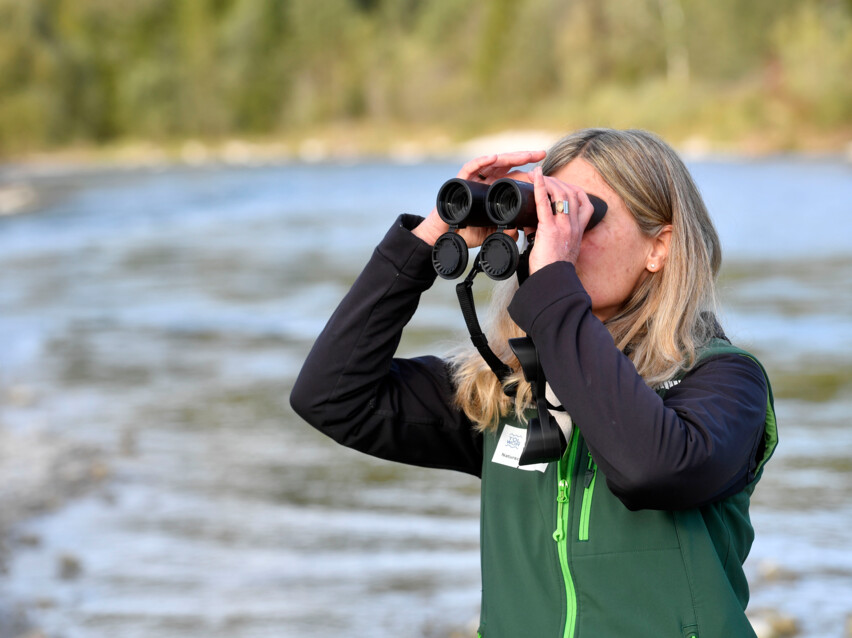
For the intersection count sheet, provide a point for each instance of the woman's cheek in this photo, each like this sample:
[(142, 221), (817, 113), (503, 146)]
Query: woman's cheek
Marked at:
[(591, 253)]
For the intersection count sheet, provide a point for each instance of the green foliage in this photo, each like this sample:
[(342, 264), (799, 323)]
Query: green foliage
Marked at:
[(94, 71), (814, 48)]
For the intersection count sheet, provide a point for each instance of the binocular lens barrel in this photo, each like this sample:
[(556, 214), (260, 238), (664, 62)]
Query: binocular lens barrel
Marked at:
[(511, 203), (454, 203), (462, 203)]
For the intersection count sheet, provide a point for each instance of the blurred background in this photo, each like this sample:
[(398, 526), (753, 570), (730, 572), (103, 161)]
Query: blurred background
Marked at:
[(187, 189), (365, 75)]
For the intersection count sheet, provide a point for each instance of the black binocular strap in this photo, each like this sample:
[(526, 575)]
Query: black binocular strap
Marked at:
[(545, 441), (464, 292)]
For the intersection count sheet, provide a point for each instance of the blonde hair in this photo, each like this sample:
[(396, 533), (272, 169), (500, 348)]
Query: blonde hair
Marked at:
[(669, 316)]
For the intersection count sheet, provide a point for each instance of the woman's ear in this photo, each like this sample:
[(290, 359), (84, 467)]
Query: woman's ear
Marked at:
[(659, 250)]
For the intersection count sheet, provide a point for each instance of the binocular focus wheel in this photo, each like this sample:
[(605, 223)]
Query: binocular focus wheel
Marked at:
[(499, 256), (449, 256)]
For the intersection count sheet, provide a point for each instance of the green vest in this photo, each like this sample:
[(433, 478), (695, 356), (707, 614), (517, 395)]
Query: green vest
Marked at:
[(563, 557)]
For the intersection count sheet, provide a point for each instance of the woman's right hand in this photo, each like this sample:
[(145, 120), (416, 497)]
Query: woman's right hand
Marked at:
[(487, 169)]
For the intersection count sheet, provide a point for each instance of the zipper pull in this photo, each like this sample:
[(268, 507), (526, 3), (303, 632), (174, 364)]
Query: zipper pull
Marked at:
[(561, 499), (590, 472)]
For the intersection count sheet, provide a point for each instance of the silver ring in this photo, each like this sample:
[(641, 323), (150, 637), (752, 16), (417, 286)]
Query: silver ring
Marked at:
[(562, 207)]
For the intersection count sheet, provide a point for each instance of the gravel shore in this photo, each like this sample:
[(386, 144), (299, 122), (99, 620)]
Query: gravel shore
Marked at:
[(38, 472)]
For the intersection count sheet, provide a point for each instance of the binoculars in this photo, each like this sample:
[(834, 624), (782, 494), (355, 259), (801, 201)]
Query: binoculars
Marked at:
[(507, 203)]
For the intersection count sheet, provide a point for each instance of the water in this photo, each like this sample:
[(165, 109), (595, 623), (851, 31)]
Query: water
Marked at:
[(161, 316)]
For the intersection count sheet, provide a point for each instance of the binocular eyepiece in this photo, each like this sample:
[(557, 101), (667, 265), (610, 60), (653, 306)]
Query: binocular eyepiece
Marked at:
[(507, 203)]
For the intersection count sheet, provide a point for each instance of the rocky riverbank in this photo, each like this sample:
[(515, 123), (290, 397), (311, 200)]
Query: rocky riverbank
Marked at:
[(38, 472)]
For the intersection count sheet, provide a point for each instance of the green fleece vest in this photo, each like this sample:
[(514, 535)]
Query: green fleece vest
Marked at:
[(563, 557)]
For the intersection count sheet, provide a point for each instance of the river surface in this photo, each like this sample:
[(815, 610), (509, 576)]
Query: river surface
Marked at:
[(161, 315)]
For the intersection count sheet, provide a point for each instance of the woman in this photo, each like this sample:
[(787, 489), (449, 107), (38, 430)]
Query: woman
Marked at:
[(642, 527)]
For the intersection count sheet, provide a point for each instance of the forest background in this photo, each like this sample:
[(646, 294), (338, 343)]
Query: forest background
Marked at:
[(364, 75)]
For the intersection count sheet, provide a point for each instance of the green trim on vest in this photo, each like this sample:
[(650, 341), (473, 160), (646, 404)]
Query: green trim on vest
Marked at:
[(611, 572)]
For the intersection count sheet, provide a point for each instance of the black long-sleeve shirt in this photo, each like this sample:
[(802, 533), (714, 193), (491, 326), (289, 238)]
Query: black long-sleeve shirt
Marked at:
[(694, 446)]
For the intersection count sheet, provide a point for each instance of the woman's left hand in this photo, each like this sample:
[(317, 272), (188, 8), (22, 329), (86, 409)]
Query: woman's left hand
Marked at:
[(559, 234)]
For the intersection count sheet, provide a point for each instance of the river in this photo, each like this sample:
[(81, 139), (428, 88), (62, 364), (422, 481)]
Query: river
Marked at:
[(160, 315)]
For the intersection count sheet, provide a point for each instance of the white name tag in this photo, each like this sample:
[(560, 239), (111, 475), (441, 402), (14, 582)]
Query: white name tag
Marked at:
[(509, 449)]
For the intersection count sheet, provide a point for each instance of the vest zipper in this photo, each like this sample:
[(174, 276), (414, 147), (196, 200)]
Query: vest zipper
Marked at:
[(588, 493), (563, 519)]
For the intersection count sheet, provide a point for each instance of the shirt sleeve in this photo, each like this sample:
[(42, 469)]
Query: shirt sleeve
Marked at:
[(695, 446), (351, 387)]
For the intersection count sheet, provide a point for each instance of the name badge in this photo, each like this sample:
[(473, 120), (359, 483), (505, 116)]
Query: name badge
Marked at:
[(509, 449)]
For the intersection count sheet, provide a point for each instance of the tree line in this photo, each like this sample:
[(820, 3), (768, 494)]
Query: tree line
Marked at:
[(100, 71)]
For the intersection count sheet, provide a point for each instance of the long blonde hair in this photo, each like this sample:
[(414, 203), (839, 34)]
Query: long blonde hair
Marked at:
[(669, 316)]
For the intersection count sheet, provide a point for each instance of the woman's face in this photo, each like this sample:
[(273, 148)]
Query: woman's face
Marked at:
[(615, 257)]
